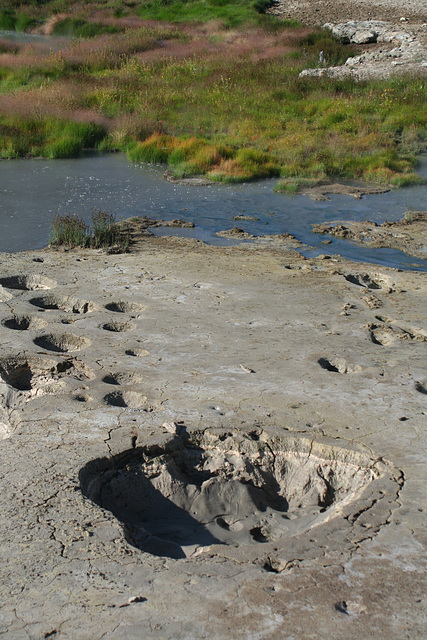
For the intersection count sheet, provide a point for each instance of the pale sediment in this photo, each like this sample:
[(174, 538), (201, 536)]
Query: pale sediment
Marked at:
[(227, 443)]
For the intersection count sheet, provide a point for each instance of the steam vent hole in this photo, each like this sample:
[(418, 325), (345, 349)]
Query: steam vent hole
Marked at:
[(25, 374), (221, 488)]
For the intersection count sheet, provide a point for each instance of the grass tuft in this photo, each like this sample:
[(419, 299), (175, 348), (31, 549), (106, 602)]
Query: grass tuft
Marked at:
[(79, 28), (292, 186), (155, 149), (71, 231)]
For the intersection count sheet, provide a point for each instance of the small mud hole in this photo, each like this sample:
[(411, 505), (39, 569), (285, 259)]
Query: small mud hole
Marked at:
[(122, 306), (338, 365), (62, 343), (211, 488), (63, 303), (137, 353), (328, 365), (421, 387), (117, 326), (130, 399), (30, 282), (23, 323), (121, 378)]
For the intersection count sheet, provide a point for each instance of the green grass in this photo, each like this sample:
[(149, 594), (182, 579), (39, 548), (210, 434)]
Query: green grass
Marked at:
[(69, 230), (7, 20), (79, 28), (49, 138), (231, 13), (154, 150), (292, 186), (12, 21)]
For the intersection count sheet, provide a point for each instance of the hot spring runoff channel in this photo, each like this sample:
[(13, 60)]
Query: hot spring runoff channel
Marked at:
[(32, 192)]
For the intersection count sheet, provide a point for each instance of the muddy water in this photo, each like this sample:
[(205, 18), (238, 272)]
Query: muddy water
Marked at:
[(33, 191)]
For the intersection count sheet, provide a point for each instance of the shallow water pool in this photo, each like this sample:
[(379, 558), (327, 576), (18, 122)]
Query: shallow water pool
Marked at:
[(33, 191)]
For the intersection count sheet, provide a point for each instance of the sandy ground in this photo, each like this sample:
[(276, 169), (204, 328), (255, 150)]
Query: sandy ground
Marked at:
[(311, 374)]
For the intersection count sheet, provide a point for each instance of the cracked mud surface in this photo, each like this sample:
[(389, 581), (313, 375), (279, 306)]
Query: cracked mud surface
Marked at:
[(283, 399)]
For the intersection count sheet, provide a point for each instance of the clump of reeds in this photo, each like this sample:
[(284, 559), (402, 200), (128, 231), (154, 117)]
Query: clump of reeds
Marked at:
[(106, 232), (71, 231)]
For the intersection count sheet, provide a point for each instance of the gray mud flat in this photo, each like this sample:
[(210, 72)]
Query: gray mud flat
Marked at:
[(202, 442)]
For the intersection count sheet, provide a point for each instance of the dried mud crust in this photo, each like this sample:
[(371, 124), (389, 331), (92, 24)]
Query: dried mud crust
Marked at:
[(304, 490), (245, 496), (408, 235)]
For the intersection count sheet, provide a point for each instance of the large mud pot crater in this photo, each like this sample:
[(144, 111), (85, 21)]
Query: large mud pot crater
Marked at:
[(246, 496)]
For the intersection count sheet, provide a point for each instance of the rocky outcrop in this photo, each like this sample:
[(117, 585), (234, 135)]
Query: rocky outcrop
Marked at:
[(366, 31), (410, 54)]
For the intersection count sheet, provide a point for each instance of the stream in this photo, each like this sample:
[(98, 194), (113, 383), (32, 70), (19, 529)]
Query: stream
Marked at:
[(33, 191)]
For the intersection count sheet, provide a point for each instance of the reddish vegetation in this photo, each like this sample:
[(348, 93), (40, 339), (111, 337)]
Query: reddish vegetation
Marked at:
[(153, 44)]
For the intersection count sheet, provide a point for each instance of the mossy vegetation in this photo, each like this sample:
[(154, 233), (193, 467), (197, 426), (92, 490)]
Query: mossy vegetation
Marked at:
[(292, 186), (208, 99)]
